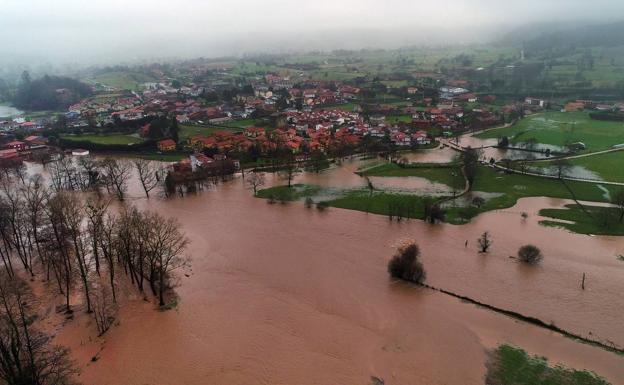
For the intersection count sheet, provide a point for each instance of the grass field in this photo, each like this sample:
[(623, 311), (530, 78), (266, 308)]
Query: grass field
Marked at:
[(559, 128), (395, 119), (608, 166), (444, 175), (506, 189), (121, 79), (104, 139), (594, 220), (510, 365), (285, 193), (186, 131)]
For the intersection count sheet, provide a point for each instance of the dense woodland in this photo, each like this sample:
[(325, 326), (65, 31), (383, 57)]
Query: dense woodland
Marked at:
[(49, 92)]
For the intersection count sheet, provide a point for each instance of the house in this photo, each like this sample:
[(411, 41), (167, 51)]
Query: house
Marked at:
[(35, 140), (421, 138), (574, 106), (166, 145), (16, 145), (80, 152), (535, 102)]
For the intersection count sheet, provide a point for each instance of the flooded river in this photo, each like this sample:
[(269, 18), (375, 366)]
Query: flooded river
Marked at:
[(279, 294)]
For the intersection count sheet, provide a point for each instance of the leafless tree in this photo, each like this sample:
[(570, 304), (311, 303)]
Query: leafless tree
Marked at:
[(59, 247), (166, 245), (35, 197), (148, 174), (255, 180), (26, 355), (618, 200), (290, 169), (95, 209), (104, 308), (562, 166), (117, 173), (484, 242)]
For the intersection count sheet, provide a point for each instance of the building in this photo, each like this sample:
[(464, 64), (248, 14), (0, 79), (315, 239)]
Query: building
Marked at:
[(16, 145), (166, 145), (80, 152)]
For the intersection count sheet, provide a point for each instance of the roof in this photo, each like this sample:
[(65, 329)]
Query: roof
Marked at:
[(167, 142)]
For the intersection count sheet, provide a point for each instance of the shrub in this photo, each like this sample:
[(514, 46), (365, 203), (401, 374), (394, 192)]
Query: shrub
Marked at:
[(530, 254), (321, 206), (405, 264), (308, 202)]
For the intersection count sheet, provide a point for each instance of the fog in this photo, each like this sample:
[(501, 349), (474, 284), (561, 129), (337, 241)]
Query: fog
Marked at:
[(98, 31)]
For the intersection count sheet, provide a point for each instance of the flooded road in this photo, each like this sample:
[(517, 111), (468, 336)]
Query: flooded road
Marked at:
[(279, 294)]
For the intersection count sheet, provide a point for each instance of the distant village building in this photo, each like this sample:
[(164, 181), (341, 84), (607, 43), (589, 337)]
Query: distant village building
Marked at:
[(166, 145), (80, 152)]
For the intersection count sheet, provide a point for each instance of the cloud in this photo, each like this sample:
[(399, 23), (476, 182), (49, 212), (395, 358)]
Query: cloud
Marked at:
[(120, 29)]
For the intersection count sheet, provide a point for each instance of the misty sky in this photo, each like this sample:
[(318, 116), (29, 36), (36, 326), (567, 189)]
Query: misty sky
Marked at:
[(126, 30)]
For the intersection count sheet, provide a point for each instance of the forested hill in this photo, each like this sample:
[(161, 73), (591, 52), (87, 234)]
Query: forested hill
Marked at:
[(49, 93)]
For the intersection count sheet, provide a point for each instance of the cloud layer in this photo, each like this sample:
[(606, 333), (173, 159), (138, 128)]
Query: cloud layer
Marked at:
[(111, 30)]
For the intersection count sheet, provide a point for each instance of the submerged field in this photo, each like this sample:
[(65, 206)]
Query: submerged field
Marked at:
[(561, 128), (494, 190)]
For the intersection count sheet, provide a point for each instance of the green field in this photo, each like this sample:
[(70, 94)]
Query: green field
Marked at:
[(122, 79), (505, 191), (608, 166), (395, 119), (444, 175), (187, 131), (560, 128), (104, 139), (510, 365), (592, 220)]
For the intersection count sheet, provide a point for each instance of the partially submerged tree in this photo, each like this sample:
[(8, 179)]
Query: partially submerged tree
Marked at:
[(530, 254), (117, 173), (148, 174), (405, 264), (255, 180), (290, 169), (618, 200), (26, 354), (484, 242), (562, 167)]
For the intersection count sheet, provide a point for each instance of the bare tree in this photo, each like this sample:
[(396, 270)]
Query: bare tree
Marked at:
[(166, 245), (26, 355), (484, 242), (255, 180), (117, 174), (290, 169), (562, 166), (104, 309), (618, 200), (148, 174)]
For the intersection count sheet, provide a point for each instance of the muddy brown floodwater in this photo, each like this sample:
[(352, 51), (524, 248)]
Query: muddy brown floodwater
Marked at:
[(279, 294)]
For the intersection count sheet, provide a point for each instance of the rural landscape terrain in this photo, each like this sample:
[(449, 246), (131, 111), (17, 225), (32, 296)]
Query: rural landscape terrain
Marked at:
[(448, 213)]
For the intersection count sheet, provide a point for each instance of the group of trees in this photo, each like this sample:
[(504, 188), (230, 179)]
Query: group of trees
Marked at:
[(529, 254), (49, 92), (69, 234), (109, 174), (26, 354)]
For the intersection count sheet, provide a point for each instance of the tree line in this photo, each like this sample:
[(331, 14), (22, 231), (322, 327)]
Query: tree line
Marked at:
[(68, 234)]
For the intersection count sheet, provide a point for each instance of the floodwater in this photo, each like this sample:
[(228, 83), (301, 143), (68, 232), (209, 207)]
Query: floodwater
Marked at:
[(8, 111), (280, 294), (489, 151)]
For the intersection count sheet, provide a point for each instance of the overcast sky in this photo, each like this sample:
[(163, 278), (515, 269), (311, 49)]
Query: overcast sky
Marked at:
[(125, 30)]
